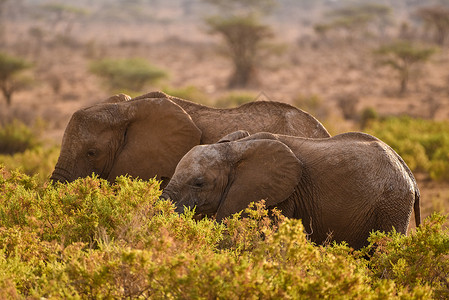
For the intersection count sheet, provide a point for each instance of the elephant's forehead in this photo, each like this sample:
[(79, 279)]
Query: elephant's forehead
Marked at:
[(201, 157), (87, 125)]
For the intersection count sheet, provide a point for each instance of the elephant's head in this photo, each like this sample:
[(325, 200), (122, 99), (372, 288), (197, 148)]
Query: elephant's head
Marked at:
[(224, 178), (142, 138)]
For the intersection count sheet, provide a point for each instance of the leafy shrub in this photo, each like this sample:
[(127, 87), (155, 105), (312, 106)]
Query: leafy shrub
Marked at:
[(423, 144), (312, 104), (127, 74), (16, 137), (39, 161), (90, 239), (190, 93), (366, 116), (234, 99), (421, 258)]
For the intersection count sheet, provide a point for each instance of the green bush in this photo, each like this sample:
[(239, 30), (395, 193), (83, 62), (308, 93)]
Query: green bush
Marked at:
[(127, 74), (235, 99), (423, 144), (421, 258), (190, 93), (16, 137), (93, 240), (21, 148), (39, 161)]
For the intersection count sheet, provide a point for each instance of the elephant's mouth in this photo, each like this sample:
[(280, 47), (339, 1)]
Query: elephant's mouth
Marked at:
[(165, 195), (60, 175), (180, 206)]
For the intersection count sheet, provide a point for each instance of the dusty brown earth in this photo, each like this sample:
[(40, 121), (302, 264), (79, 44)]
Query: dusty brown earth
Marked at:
[(307, 67)]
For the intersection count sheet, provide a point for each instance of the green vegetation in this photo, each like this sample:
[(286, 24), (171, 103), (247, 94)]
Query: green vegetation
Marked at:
[(126, 75), (21, 148), (16, 137), (11, 75), (92, 240), (355, 19), (423, 144), (38, 161), (235, 99), (191, 93)]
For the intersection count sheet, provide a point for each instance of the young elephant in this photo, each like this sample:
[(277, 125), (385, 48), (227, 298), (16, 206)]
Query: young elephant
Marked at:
[(345, 186)]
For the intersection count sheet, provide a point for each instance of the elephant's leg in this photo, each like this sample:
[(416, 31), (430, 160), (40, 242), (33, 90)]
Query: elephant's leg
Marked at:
[(396, 215)]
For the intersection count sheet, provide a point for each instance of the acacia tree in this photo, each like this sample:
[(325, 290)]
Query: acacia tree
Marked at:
[(11, 68), (243, 33), (436, 18), (62, 15), (403, 56), (355, 19)]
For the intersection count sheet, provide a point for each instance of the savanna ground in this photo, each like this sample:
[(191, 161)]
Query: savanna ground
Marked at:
[(334, 78)]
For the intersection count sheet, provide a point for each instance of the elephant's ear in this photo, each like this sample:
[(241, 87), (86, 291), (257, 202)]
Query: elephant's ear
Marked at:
[(234, 136), (263, 169), (154, 94), (158, 134)]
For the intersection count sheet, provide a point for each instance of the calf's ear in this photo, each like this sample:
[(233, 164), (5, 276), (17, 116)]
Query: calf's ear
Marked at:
[(262, 169), (234, 136)]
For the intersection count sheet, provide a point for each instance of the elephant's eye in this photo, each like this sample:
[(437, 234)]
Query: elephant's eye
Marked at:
[(91, 153), (198, 182)]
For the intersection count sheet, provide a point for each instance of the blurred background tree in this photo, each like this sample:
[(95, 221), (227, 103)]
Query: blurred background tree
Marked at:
[(436, 19), (403, 56), (11, 75), (240, 25), (62, 17), (353, 21)]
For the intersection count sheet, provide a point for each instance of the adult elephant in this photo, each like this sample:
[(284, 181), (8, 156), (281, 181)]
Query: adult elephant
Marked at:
[(148, 135), (344, 186)]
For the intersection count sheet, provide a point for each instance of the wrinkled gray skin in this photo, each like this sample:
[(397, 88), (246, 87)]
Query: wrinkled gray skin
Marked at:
[(345, 186), (148, 135)]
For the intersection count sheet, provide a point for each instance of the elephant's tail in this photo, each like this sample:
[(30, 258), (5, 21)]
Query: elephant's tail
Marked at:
[(416, 207)]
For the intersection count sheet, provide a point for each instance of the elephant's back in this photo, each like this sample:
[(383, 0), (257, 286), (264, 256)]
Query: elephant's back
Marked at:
[(289, 119), (259, 116)]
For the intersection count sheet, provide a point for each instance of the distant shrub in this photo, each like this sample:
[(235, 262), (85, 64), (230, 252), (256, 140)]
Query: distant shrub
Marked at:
[(367, 115), (38, 161), (90, 239), (423, 144), (235, 99), (312, 104), (190, 93), (348, 105), (16, 137), (126, 74)]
